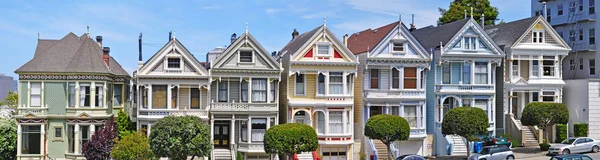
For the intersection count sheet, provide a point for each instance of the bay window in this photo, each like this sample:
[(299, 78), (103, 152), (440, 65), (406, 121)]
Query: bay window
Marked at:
[(336, 122), (159, 96), (592, 66), (84, 95), (99, 101), (71, 94), (259, 126), (374, 78), (445, 73), (410, 114), (349, 84), (259, 89), (144, 92), (321, 84), (299, 86), (244, 131), (548, 96), (515, 68), (272, 92), (336, 83), (244, 91), (395, 78), (84, 136), (195, 98), (535, 68), (30, 139), (548, 66), (222, 97), (348, 124), (36, 94), (481, 103), (410, 78), (320, 122), (535, 96), (174, 97), (466, 77), (71, 138), (481, 73), (117, 94)]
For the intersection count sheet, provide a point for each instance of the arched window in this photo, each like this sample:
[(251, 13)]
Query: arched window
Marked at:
[(320, 122)]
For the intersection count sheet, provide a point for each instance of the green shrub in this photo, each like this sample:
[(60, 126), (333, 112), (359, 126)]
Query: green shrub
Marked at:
[(561, 133), (362, 155), (239, 156), (515, 143), (544, 115), (580, 129), (544, 146), (287, 139), (465, 122), (504, 135), (387, 128)]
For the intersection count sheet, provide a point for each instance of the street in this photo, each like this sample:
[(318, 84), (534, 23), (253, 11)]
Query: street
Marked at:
[(526, 153), (592, 155)]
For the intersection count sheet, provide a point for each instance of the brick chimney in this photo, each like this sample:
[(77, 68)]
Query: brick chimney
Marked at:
[(295, 34), (106, 55), (346, 40), (233, 38), (99, 40)]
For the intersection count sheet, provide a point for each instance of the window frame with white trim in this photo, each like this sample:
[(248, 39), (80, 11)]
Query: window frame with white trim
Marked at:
[(319, 49)]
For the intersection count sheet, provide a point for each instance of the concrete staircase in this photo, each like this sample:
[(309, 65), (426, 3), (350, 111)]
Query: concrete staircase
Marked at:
[(529, 139), (460, 148), (381, 150), (305, 156), (224, 154)]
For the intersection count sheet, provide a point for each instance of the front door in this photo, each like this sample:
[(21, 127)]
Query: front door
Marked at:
[(221, 135), (515, 106)]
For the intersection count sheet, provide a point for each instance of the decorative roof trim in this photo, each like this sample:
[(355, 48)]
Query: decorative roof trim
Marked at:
[(70, 77)]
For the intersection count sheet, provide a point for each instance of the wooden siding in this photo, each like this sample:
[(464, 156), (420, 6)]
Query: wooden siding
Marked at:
[(234, 90), (184, 98), (456, 73), (384, 79), (358, 97), (213, 92), (507, 70), (204, 97), (524, 69)]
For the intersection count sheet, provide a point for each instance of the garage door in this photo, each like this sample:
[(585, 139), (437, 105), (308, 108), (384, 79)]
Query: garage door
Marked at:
[(334, 153)]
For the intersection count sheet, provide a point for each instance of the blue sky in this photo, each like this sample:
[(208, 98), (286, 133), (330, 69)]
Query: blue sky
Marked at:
[(202, 25)]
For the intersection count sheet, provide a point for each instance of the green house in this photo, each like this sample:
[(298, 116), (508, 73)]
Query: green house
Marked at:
[(67, 91)]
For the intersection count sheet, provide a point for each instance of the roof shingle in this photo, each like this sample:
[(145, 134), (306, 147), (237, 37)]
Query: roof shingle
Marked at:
[(508, 33), (366, 40), (430, 37)]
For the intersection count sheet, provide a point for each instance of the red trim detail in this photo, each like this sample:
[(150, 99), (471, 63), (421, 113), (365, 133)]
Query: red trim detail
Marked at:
[(315, 156), (309, 54), (336, 54), (335, 108)]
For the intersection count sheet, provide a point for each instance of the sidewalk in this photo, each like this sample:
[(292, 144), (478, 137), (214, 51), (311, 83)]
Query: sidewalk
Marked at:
[(520, 153)]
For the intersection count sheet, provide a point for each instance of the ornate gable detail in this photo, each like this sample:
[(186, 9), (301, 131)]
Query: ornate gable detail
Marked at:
[(245, 52), (173, 59)]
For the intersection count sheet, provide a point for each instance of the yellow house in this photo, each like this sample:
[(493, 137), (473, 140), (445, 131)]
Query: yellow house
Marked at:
[(317, 89)]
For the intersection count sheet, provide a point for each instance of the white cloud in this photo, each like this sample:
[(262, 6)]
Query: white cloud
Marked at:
[(272, 10), (349, 27), (425, 13), (318, 15)]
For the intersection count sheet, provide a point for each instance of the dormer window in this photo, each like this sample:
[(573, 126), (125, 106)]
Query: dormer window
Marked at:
[(173, 63), (398, 46), (538, 37), (323, 49), (470, 43), (245, 56)]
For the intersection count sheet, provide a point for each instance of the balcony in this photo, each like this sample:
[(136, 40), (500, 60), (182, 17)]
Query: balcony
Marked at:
[(159, 113), (395, 94), (251, 147), (33, 110), (243, 107), (417, 133), (465, 88)]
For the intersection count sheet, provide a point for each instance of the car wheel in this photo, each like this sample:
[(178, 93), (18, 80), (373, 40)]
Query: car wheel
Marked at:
[(510, 158), (566, 151), (595, 149)]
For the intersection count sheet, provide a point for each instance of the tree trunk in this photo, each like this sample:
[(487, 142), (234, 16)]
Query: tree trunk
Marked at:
[(468, 148), (389, 157)]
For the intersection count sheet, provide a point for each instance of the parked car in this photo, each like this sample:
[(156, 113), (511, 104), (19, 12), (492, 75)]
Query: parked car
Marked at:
[(411, 157), (575, 145), (494, 152), (488, 141), (572, 157)]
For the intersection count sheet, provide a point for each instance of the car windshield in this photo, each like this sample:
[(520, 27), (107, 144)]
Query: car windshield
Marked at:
[(568, 141)]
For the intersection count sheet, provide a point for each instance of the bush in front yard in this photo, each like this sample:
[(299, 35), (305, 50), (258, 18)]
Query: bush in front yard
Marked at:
[(515, 143), (544, 146), (561, 133), (580, 129)]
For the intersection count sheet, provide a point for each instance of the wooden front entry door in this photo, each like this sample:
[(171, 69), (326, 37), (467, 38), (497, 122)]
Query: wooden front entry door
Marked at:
[(221, 135)]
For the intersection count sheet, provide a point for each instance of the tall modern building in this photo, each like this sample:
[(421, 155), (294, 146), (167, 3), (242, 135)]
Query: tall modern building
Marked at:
[(6, 85)]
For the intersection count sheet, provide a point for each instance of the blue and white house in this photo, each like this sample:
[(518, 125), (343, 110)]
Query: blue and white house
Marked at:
[(463, 72), (392, 65)]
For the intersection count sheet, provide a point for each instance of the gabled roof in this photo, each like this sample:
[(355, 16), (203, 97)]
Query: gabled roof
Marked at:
[(508, 33), (150, 63), (262, 52), (71, 54), (366, 40), (299, 41), (430, 37), (306, 38)]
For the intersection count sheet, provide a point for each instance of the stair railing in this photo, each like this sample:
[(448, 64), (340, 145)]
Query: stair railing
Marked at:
[(394, 150), (450, 145), (372, 144)]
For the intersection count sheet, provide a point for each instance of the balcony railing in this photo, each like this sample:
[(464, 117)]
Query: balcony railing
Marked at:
[(167, 112), (242, 146), (34, 110), (266, 107), (395, 94), (417, 131), (485, 88)]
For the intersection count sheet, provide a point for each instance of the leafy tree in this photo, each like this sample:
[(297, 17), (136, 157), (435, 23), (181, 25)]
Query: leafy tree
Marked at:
[(290, 138), (8, 140), (457, 11), (180, 137), (545, 115), (124, 123), (465, 122), (132, 146), (10, 100), (387, 128), (101, 143)]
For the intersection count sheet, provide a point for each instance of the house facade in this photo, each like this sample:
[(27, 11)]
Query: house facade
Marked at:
[(463, 72), (68, 90), (317, 89), (243, 98), (171, 82), (533, 70), (392, 65)]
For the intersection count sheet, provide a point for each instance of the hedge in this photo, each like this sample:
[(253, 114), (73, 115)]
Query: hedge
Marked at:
[(561, 133), (580, 129)]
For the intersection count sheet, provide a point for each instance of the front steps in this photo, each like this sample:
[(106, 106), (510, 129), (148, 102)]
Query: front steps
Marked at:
[(305, 156), (529, 139), (459, 146), (222, 154)]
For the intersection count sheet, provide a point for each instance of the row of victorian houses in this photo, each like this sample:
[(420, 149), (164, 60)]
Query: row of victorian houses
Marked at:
[(73, 85)]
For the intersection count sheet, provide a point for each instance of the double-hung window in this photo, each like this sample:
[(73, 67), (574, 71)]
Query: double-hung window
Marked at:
[(99, 101), (481, 73), (481, 103), (560, 9), (320, 122), (336, 83), (259, 126), (222, 97), (535, 67), (245, 56), (349, 83), (30, 139), (549, 15), (592, 9), (581, 64), (159, 96), (374, 78), (548, 66), (71, 94), (195, 98), (395, 78), (244, 91), (84, 95), (548, 96), (398, 47), (84, 136), (410, 114), (272, 92), (445, 73), (336, 122), (572, 6), (466, 77), (580, 5), (515, 68), (259, 90), (323, 49), (470, 43), (321, 84), (144, 92), (410, 78), (538, 37), (117, 94), (348, 124), (592, 67), (580, 34), (36, 94), (535, 96), (571, 64), (592, 36), (299, 86), (174, 95), (571, 35), (173, 63)]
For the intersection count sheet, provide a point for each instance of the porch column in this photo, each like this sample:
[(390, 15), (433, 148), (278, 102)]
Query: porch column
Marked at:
[(419, 69), (344, 121), (149, 91), (522, 102), (401, 110), (249, 126), (42, 133), (232, 131), (268, 90), (249, 90), (19, 142), (92, 129), (489, 72), (419, 115), (169, 96), (441, 110), (93, 92), (510, 100), (76, 147), (387, 108), (212, 134), (326, 121), (472, 72)]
